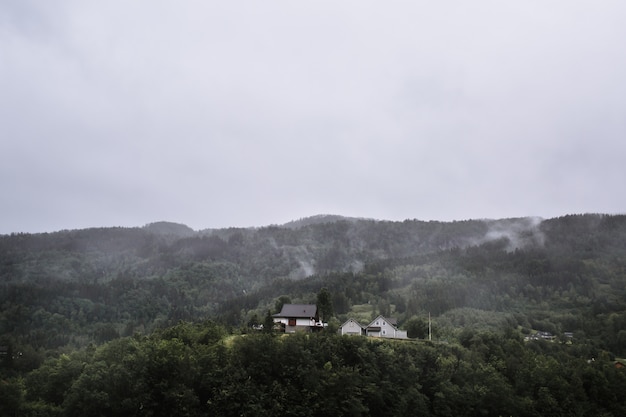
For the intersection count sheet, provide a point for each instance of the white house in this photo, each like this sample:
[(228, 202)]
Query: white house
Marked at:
[(352, 327), (379, 327), (385, 327), (299, 317)]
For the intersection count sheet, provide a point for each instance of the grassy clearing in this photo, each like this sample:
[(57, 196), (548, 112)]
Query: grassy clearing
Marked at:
[(362, 313)]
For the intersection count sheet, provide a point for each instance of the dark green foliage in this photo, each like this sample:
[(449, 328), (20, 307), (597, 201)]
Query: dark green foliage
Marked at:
[(268, 323), (324, 304), (417, 328), (11, 393), (196, 370), (75, 306), (282, 300)]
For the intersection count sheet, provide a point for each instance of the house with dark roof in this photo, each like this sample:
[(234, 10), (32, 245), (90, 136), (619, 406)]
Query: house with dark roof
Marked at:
[(299, 317)]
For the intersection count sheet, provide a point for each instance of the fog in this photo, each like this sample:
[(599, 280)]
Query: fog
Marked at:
[(220, 114)]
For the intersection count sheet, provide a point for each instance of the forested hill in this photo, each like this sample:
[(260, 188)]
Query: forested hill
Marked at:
[(75, 287), (159, 320), (309, 246)]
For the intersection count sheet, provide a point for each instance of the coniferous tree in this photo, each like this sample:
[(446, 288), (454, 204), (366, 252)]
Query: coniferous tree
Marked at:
[(268, 323), (325, 304)]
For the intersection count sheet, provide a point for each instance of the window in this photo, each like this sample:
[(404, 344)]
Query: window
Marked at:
[(292, 322)]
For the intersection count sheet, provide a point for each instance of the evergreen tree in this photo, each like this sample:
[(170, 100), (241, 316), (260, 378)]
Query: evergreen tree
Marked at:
[(268, 323), (325, 304)]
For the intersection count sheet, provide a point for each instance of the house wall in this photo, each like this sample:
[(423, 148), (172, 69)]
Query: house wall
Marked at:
[(351, 328), (305, 322), (301, 324), (386, 330), (401, 334)]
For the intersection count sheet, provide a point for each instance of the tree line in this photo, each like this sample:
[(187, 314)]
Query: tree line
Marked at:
[(199, 369)]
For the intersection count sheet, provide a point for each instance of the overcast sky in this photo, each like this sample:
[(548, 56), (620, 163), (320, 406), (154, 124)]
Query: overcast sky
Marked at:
[(250, 113)]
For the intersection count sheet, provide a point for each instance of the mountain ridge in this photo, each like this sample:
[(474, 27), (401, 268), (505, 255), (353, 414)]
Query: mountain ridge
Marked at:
[(166, 227)]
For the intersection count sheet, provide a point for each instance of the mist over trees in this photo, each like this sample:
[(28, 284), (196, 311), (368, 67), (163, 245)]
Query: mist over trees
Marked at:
[(169, 310)]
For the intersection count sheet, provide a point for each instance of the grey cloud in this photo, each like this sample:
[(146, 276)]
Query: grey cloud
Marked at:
[(215, 115)]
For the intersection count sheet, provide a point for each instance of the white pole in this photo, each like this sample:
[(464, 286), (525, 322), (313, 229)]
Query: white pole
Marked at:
[(430, 335)]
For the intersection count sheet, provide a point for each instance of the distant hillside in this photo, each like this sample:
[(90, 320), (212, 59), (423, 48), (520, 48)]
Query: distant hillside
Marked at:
[(561, 274)]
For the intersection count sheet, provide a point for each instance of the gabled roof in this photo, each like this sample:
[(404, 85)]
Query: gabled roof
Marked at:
[(393, 321), (354, 321), (298, 310)]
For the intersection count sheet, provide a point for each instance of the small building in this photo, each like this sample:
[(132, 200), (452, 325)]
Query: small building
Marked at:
[(299, 317), (352, 327), (379, 327), (385, 327)]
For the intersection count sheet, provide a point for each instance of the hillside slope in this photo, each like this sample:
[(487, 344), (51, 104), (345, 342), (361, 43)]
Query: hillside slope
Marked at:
[(561, 275)]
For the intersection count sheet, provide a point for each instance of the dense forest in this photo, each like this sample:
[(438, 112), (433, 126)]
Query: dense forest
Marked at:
[(158, 320)]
